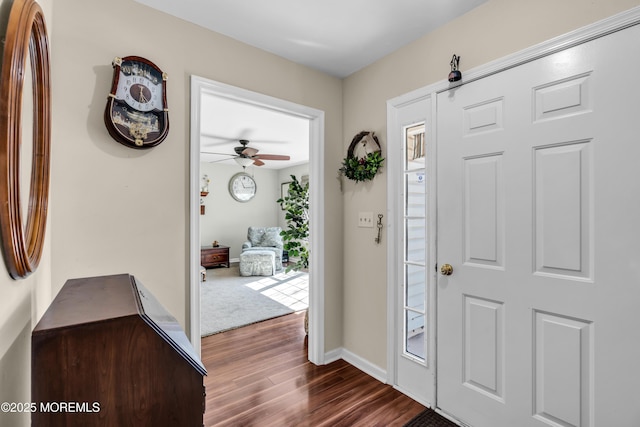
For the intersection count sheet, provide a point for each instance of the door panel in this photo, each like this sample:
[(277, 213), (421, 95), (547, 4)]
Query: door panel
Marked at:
[(538, 203), (563, 211), (484, 211), (563, 366), (483, 348)]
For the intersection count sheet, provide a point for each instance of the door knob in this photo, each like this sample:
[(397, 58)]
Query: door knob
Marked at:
[(446, 270)]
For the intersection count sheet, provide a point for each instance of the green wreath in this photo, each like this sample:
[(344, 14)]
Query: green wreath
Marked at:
[(363, 168)]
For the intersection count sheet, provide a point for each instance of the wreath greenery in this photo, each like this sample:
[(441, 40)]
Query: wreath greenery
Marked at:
[(363, 168)]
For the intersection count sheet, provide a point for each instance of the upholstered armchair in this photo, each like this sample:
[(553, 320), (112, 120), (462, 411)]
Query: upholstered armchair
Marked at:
[(265, 238)]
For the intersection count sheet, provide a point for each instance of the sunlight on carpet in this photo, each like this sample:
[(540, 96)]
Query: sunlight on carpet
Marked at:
[(229, 301), (290, 289)]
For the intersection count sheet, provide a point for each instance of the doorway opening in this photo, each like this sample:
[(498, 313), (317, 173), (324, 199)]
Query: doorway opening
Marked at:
[(203, 88)]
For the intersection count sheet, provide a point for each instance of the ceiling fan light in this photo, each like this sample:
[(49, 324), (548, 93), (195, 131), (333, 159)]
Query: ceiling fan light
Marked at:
[(243, 161)]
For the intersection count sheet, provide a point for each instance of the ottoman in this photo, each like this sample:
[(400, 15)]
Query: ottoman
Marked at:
[(257, 263)]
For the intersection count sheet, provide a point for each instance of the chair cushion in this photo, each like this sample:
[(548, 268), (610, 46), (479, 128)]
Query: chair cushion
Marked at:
[(271, 237), (254, 235), (265, 236)]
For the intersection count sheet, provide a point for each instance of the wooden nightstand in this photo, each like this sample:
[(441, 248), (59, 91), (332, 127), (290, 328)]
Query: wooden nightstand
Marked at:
[(214, 256)]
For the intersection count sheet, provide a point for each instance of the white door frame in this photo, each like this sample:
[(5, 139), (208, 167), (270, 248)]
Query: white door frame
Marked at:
[(201, 85), (609, 25)]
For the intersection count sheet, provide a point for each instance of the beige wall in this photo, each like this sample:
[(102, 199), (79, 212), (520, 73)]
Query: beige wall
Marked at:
[(491, 31), (124, 210), (227, 220)]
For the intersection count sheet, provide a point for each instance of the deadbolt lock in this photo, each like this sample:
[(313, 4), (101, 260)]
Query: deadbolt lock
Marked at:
[(446, 270)]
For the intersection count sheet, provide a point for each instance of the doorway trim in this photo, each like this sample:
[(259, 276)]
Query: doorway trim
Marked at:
[(200, 85)]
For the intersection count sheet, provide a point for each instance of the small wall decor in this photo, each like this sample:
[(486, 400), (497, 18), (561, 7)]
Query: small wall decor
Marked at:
[(379, 225), (137, 115), (364, 158), (204, 191), (455, 73), (204, 188)]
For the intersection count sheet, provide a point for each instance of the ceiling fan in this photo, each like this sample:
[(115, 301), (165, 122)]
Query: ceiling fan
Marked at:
[(246, 156)]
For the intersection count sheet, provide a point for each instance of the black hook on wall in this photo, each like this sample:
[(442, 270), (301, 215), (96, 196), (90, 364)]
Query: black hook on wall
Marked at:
[(455, 73)]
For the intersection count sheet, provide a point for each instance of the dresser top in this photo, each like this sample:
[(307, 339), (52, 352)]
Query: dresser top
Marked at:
[(89, 300)]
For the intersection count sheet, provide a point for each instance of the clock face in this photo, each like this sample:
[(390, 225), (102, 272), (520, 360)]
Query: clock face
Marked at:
[(137, 114), (140, 86), (242, 187)]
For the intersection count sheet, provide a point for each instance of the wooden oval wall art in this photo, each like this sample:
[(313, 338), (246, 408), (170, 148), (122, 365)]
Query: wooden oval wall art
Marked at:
[(26, 38)]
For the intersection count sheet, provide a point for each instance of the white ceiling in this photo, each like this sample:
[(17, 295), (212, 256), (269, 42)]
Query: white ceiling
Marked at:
[(225, 121), (338, 37)]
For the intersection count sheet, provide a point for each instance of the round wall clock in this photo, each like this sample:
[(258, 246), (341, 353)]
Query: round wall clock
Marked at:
[(137, 114), (242, 187)]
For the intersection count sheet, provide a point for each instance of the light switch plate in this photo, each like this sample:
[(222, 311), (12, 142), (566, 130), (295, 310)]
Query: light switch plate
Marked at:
[(365, 219)]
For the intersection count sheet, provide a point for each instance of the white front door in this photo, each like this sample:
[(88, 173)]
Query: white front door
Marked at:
[(538, 214)]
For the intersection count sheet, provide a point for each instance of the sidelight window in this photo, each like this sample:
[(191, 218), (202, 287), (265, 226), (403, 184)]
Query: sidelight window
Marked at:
[(415, 242)]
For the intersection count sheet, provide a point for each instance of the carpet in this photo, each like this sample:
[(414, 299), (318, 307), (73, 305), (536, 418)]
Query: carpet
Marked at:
[(228, 301), (429, 418)]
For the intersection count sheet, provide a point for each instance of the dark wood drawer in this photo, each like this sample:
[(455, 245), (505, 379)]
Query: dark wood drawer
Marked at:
[(214, 257), (208, 258)]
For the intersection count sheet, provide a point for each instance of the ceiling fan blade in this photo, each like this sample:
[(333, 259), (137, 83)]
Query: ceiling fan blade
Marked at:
[(220, 160), (244, 134), (212, 139), (269, 141), (258, 162), (250, 152), (219, 154), (273, 157)]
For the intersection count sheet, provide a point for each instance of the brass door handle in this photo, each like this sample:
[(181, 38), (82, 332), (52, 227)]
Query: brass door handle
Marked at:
[(446, 270)]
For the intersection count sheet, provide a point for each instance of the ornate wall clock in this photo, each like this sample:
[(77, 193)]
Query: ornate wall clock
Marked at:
[(242, 187), (137, 114)]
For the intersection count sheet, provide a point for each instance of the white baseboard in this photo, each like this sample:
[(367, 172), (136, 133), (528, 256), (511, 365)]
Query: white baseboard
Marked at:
[(357, 361), (333, 355)]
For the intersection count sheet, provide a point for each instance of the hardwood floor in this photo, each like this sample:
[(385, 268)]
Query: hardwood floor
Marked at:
[(259, 375)]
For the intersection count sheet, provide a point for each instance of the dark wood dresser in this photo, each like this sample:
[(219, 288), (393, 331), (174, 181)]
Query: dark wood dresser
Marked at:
[(106, 353), (217, 256)]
